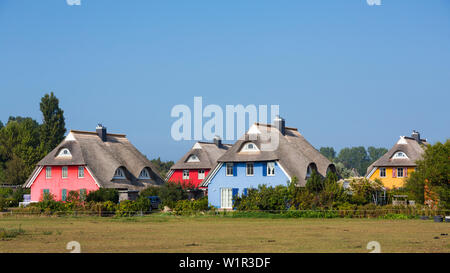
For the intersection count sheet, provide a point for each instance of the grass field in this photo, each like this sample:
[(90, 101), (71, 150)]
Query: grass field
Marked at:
[(158, 233)]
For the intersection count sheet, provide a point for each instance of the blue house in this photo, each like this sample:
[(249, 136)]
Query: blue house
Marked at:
[(266, 155)]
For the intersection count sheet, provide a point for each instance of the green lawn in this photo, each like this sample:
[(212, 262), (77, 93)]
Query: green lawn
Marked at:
[(158, 233)]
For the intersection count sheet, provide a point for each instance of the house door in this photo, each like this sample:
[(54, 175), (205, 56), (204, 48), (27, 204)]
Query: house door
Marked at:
[(226, 198)]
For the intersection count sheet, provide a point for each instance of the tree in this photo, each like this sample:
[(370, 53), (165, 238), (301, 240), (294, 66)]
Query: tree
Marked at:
[(1, 124), (315, 183), (375, 153), (16, 171), (355, 157), (328, 152), (53, 126), (162, 166), (434, 167)]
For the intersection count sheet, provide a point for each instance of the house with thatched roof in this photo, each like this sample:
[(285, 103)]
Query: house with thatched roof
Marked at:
[(195, 165), (267, 154), (397, 164), (87, 161)]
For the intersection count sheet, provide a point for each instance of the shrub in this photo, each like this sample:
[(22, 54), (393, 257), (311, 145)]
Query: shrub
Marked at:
[(150, 191), (103, 195), (126, 208), (170, 193), (191, 206)]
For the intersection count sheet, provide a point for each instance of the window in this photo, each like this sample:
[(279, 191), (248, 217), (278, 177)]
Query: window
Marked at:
[(308, 172), (144, 174), (399, 172), (45, 193), (382, 172), (64, 153), (48, 172), (185, 174), (400, 155), (250, 147), (64, 195), (193, 158), (65, 172), (270, 168), (201, 174), (230, 169), (83, 194), (250, 170), (119, 174), (226, 198), (80, 172)]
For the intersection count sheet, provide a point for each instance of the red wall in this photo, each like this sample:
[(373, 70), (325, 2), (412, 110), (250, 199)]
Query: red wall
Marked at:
[(177, 176), (56, 183)]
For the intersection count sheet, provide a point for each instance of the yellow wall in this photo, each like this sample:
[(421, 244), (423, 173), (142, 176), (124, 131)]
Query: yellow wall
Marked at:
[(389, 181)]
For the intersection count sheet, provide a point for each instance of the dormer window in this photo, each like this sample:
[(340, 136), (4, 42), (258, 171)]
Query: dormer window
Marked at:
[(119, 174), (400, 155), (64, 153), (193, 158), (144, 174), (250, 147)]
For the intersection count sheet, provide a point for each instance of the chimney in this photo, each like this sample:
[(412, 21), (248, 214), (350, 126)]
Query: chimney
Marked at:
[(416, 136), (101, 132), (280, 124), (218, 141)]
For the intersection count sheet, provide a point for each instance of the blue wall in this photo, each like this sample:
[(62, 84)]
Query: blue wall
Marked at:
[(241, 181)]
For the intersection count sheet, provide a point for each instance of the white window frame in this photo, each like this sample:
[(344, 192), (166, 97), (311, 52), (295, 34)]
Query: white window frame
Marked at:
[(398, 172), (185, 177), (400, 155), (64, 170), (381, 172), (247, 148), (119, 173), (226, 198), (48, 172), (252, 168), (63, 154), (227, 168), (270, 168), (144, 174), (81, 171), (201, 174), (309, 172)]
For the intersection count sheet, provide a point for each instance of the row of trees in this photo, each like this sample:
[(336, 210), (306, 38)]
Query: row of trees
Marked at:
[(357, 158), (23, 141)]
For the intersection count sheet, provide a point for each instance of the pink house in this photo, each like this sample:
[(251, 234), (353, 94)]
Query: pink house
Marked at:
[(87, 161)]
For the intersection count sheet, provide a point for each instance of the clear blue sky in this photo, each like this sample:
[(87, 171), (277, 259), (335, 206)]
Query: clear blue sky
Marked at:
[(343, 72)]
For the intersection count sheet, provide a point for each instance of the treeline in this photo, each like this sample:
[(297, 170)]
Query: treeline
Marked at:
[(354, 158), (24, 141)]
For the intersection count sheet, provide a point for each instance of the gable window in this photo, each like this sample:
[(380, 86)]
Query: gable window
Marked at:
[(48, 172), (64, 153), (185, 174), (308, 172), (201, 174), (250, 147), (65, 172), (250, 169), (311, 168), (119, 174), (270, 168), (80, 172), (144, 174), (230, 169), (399, 172), (193, 158), (400, 155), (382, 172)]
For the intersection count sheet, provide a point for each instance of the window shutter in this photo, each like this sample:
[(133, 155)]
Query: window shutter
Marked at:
[(64, 195), (394, 172), (235, 192), (405, 170), (234, 169), (264, 169), (245, 192)]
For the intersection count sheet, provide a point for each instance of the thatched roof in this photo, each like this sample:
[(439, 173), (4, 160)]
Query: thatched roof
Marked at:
[(294, 152), (207, 153), (103, 158), (413, 148)]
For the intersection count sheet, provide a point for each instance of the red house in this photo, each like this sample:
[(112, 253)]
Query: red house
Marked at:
[(195, 165), (87, 161)]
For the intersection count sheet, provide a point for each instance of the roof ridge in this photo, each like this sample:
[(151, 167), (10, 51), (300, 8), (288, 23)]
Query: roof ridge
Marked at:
[(95, 133), (270, 125)]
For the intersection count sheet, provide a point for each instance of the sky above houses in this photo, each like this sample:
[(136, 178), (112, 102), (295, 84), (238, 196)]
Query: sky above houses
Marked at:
[(345, 73)]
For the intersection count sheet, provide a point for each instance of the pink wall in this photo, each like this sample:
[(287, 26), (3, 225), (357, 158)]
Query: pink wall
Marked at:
[(177, 176), (56, 183)]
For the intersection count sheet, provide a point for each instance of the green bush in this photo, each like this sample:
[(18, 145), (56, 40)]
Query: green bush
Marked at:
[(126, 208), (184, 207), (170, 193), (103, 195), (150, 191)]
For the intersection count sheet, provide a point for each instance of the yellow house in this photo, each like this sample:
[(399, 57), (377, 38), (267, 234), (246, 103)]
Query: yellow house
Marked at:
[(399, 162)]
